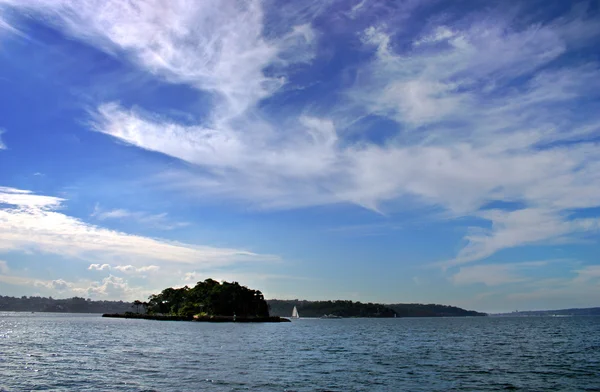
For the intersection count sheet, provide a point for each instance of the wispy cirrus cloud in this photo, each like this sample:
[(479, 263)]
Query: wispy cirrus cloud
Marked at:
[(158, 221), (482, 109), (492, 137), (471, 135), (30, 222), (496, 274), (4, 267), (521, 227), (545, 284), (5, 26), (215, 46), (588, 273)]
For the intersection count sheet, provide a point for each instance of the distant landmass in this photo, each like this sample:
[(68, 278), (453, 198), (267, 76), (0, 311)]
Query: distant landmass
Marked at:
[(557, 312), (69, 305), (433, 310), (185, 302), (283, 308)]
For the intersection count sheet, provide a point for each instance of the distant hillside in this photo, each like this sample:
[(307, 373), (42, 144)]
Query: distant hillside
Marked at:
[(432, 310), (283, 308), (69, 305), (558, 312)]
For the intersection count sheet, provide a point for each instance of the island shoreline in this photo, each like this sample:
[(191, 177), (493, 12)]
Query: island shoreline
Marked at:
[(208, 319)]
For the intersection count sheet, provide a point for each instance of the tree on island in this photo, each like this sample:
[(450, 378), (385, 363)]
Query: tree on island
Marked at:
[(137, 304), (209, 298)]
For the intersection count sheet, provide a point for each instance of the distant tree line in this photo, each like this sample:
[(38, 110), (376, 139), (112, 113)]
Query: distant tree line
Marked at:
[(208, 298), (340, 308), (68, 305), (432, 310)]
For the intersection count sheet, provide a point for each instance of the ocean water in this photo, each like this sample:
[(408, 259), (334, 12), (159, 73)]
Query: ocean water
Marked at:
[(69, 352)]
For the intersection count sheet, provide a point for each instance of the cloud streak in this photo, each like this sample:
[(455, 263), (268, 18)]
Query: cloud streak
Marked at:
[(128, 269), (158, 221), (495, 274), (215, 46), (479, 110), (470, 137), (30, 222)]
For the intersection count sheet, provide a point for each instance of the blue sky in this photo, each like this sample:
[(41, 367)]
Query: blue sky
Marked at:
[(409, 151)]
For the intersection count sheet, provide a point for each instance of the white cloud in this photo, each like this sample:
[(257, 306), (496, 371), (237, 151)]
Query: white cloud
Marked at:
[(214, 45), (130, 269), (2, 145), (192, 276), (588, 273), (58, 285), (520, 227), (441, 33), (495, 274), (497, 146), (26, 199), (99, 267), (110, 214), (4, 267), (5, 26), (124, 268), (111, 287), (157, 221), (492, 140), (148, 268), (480, 108), (357, 8), (31, 222)]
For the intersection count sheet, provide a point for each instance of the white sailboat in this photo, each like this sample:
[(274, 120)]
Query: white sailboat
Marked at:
[(295, 314)]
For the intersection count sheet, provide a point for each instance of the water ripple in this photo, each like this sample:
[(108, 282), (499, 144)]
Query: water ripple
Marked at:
[(88, 353)]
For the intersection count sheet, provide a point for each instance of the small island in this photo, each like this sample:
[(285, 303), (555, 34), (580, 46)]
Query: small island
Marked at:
[(208, 301)]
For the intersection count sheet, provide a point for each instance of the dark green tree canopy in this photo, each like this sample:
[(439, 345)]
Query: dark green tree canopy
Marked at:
[(209, 298)]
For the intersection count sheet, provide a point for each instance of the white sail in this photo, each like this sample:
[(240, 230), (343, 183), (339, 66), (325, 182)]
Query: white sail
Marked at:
[(295, 313)]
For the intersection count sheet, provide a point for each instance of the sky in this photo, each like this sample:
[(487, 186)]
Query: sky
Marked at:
[(410, 151)]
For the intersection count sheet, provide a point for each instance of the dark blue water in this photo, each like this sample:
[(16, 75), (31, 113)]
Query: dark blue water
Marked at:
[(89, 353)]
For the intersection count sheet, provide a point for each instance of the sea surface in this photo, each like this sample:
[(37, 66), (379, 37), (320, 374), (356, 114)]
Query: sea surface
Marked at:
[(72, 352)]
